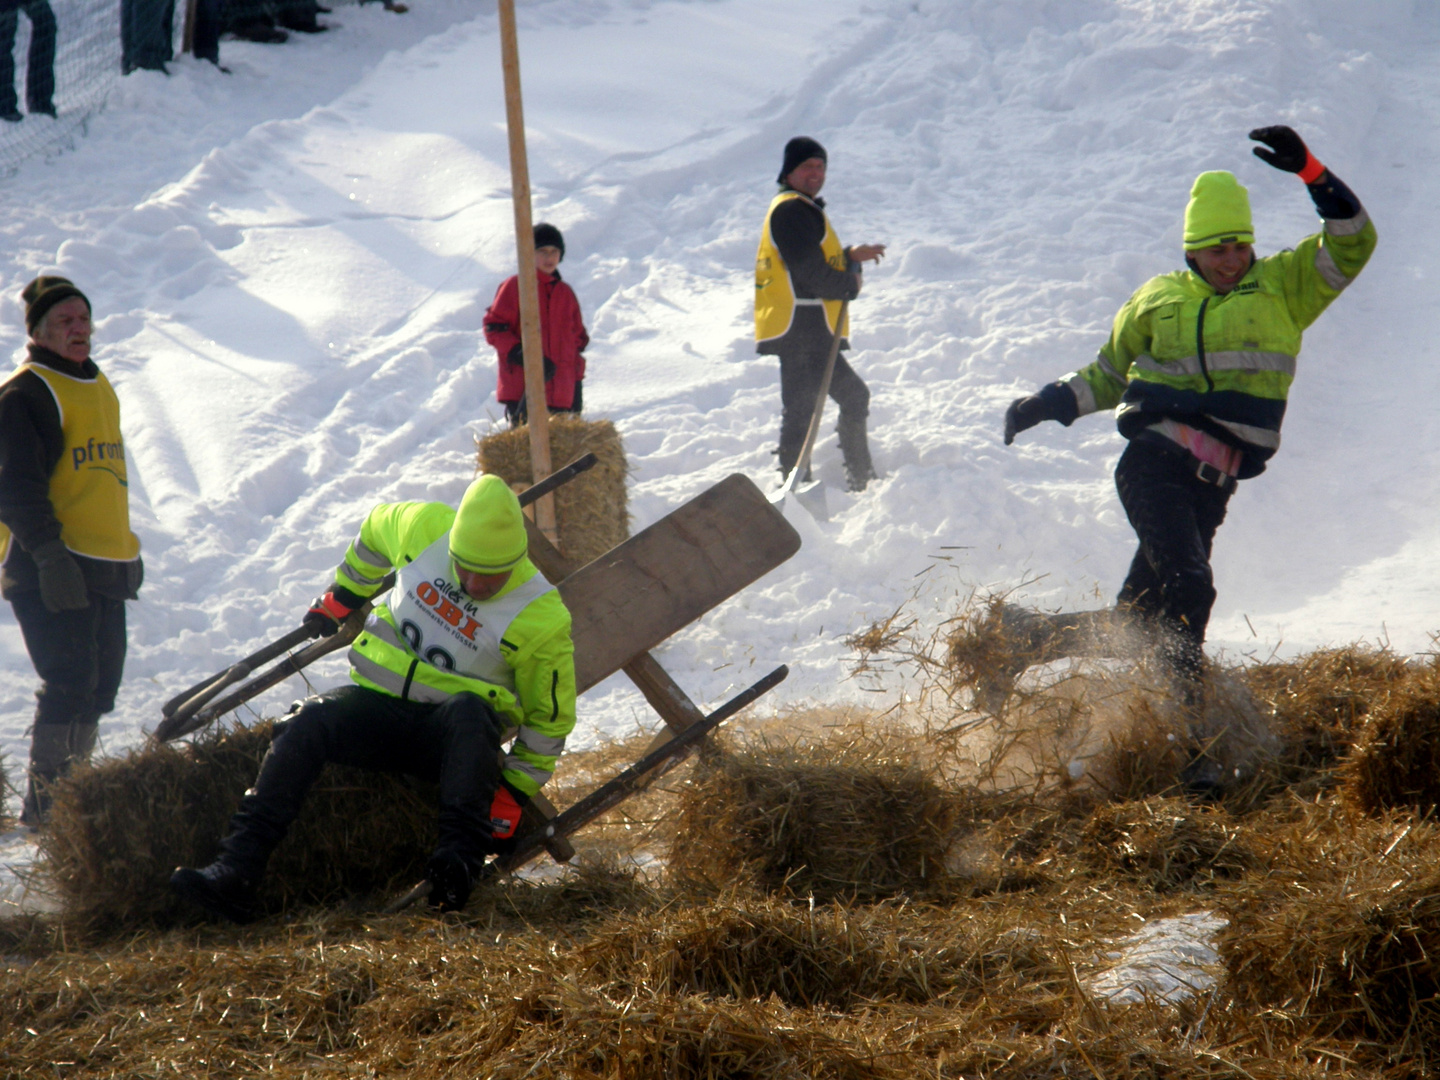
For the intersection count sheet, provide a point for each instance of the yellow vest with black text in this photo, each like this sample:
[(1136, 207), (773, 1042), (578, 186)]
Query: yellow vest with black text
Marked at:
[(774, 291), (89, 489)]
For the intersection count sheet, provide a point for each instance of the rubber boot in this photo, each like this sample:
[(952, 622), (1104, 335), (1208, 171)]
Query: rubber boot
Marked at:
[(855, 448), (49, 759), (1033, 637), (82, 742)]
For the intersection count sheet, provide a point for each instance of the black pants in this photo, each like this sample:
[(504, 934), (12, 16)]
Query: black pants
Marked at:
[(455, 744), (802, 367), (1175, 515), (145, 34), (79, 656), (40, 72)]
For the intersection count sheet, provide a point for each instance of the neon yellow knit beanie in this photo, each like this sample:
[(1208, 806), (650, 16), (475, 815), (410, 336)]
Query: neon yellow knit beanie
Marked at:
[(488, 535), (1219, 212)]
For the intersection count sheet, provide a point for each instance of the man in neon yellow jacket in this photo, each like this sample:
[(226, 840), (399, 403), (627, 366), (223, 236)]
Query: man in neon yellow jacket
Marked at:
[(472, 643), (1197, 369)]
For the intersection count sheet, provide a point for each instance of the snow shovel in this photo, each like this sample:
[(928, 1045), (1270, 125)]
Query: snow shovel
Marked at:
[(637, 777), (186, 711), (811, 494)]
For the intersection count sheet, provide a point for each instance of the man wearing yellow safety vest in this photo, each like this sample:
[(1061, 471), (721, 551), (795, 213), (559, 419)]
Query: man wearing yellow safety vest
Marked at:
[(801, 276), (68, 560), (472, 644), (1197, 369)]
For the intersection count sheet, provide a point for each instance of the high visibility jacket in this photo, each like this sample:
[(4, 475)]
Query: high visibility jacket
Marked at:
[(89, 484), (1222, 363), (430, 641), (776, 296)]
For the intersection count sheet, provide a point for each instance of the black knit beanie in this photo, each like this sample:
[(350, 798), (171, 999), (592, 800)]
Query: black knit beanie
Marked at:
[(547, 235), (44, 293), (798, 151)]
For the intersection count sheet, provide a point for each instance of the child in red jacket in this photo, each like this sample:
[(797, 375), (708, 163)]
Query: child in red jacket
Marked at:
[(562, 333)]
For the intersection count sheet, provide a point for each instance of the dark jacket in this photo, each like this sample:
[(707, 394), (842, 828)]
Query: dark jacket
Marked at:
[(31, 444), (797, 227)]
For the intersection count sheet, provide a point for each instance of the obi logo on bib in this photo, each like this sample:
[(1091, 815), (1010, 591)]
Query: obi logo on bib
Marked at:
[(441, 601)]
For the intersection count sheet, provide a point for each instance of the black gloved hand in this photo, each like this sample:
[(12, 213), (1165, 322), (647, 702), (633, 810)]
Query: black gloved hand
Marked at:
[(516, 355), (549, 369), (1025, 413), (62, 582), (326, 614), (1287, 150), (450, 880)]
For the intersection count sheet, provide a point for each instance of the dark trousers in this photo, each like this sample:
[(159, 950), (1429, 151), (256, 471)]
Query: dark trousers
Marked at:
[(1175, 514), (802, 367), (455, 744), (209, 25), (79, 656), (40, 73), (145, 34)]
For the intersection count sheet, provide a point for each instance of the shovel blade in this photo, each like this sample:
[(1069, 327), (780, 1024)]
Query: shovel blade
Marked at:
[(812, 497)]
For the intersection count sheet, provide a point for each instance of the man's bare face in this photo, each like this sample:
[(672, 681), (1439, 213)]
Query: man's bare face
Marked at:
[(65, 330), (481, 586), (808, 177), (1223, 265)]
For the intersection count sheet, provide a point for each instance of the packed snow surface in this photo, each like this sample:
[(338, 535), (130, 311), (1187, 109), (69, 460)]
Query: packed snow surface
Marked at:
[(289, 264)]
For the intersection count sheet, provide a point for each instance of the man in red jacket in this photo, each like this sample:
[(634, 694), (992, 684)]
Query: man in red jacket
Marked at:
[(562, 333)]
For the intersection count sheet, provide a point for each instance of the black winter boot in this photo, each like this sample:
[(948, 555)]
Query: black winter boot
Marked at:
[(53, 748), (855, 448), (222, 889), (451, 878)]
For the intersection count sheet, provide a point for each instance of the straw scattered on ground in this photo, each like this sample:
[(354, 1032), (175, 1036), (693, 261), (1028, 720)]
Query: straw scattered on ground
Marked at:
[(843, 897)]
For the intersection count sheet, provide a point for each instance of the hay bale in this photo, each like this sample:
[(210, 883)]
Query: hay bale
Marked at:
[(823, 820), (118, 828), (591, 510), (1341, 935), (1167, 844), (1396, 759), (1319, 702)]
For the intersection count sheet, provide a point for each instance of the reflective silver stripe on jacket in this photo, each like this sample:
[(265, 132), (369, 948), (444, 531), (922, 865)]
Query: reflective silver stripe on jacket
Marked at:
[(545, 745), (377, 564), (1084, 396), (809, 302), (1255, 436), (1325, 264), (534, 772), (1224, 360), (393, 682), (1347, 226)]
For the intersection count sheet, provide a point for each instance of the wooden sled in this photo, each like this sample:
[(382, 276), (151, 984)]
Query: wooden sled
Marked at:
[(622, 605)]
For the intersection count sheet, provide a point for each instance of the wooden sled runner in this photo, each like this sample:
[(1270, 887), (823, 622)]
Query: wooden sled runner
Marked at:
[(622, 605)]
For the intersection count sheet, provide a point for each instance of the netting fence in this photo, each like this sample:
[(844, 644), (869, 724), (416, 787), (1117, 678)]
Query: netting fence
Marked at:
[(64, 57)]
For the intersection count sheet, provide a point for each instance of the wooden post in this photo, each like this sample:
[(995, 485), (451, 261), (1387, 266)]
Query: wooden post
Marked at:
[(187, 33), (530, 340)]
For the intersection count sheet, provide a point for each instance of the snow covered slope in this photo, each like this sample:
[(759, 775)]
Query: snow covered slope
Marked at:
[(289, 299)]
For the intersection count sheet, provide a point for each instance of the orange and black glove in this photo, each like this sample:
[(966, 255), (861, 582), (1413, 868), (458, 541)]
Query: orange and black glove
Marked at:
[(328, 612), (1287, 152)]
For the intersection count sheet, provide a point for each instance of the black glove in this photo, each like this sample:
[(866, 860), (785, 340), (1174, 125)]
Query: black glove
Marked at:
[(325, 615), (1025, 413), (516, 356), (62, 582), (1287, 150), (450, 880)]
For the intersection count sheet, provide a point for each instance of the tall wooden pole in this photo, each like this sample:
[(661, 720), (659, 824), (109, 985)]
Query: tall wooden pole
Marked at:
[(187, 33), (530, 340)]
